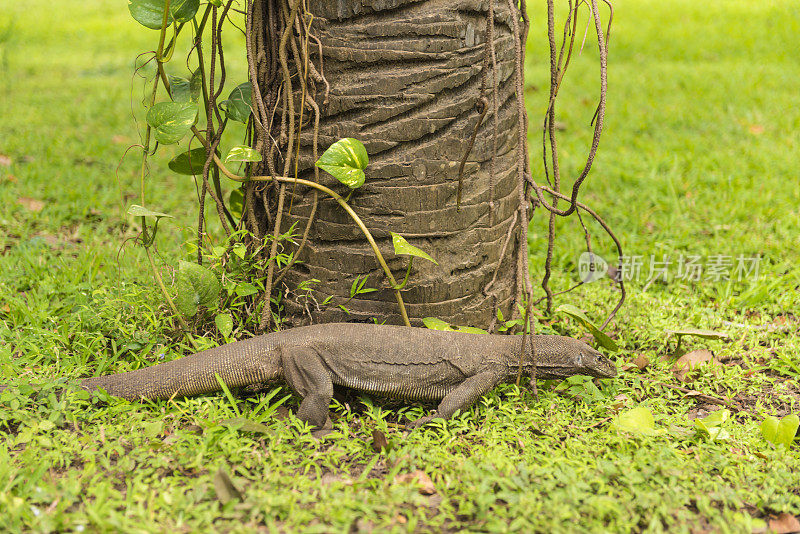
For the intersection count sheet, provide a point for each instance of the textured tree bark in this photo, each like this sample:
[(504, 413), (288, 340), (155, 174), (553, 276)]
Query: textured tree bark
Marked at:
[(405, 77)]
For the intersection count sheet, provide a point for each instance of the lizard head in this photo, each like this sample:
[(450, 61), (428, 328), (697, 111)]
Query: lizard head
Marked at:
[(561, 357)]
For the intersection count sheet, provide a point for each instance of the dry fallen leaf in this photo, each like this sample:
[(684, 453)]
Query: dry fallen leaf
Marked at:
[(620, 401), (421, 478), (379, 441), (641, 361), (784, 524), (31, 204), (224, 487), (5, 161), (690, 361)]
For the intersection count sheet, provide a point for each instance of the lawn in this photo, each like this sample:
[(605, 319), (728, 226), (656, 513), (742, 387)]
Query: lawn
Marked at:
[(697, 164)]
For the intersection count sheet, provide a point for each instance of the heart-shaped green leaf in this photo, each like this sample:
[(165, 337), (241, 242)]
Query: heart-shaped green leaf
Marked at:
[(152, 429), (190, 162), (242, 153), (769, 428), (605, 341), (712, 425), (245, 289), (346, 160), (236, 203), (197, 286), (183, 90), (150, 13), (780, 432), (436, 324), (240, 249), (239, 103), (401, 246), (638, 420), (171, 120), (140, 211), (224, 323)]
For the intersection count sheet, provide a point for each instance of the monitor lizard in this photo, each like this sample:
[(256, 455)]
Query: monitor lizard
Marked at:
[(455, 368)]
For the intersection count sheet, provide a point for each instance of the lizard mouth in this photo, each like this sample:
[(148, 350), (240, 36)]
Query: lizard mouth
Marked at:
[(597, 365), (587, 364)]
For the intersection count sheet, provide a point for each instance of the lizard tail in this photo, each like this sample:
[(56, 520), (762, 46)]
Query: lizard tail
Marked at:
[(237, 364)]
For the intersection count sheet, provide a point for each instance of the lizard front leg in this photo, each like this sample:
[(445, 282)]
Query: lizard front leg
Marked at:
[(309, 377), (463, 396)]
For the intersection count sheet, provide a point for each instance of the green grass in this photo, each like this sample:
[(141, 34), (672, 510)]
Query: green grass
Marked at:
[(698, 158)]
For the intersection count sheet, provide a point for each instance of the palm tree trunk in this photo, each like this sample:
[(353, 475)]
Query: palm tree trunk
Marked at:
[(405, 79)]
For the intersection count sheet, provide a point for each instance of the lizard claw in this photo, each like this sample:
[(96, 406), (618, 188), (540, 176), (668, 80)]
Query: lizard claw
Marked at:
[(422, 421)]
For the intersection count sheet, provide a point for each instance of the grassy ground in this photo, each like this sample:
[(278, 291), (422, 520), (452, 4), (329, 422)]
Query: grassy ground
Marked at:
[(698, 158)]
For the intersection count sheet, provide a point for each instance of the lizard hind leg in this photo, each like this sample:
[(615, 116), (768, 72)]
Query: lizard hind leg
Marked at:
[(308, 376)]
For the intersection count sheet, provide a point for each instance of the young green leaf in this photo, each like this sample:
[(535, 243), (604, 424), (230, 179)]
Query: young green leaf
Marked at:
[(638, 420), (471, 330), (245, 289), (152, 429), (358, 287), (712, 425), (769, 428), (346, 160), (140, 211), (197, 286), (150, 13), (183, 90), (224, 323), (179, 89), (240, 249), (171, 120), (581, 386), (436, 324), (240, 103), (605, 341), (780, 432), (242, 153), (510, 324), (189, 163), (401, 246), (196, 85), (236, 203)]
